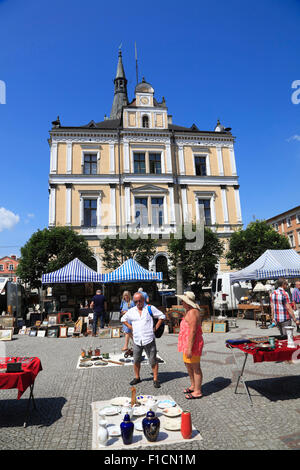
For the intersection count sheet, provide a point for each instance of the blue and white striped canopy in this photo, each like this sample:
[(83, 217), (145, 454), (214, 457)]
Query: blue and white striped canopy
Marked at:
[(73, 272), (130, 270), (272, 264)]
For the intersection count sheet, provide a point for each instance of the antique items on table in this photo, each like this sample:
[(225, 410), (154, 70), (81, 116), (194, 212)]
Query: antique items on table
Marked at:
[(126, 419), (24, 378), (263, 350)]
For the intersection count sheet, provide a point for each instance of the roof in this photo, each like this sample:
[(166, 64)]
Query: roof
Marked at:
[(295, 209), (130, 270), (73, 272), (272, 264)]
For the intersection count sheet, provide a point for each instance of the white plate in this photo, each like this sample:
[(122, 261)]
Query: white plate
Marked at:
[(172, 424), (142, 399), (114, 431), (120, 401), (166, 403), (139, 425), (139, 410), (172, 412), (110, 410)]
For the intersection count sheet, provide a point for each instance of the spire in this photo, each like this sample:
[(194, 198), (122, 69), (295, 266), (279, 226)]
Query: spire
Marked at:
[(120, 94)]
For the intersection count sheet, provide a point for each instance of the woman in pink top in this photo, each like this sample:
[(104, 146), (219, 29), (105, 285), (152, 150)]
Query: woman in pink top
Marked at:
[(190, 343)]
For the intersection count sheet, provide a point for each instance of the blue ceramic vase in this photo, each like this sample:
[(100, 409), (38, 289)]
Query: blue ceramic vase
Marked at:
[(151, 425), (127, 427)]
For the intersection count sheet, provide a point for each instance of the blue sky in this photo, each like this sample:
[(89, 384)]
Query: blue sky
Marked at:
[(232, 60)]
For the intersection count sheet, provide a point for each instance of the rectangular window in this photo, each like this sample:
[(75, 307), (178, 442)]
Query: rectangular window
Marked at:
[(90, 164), (11, 267), (141, 212), (298, 218), (291, 239), (155, 163), (288, 222), (90, 212), (157, 211), (1, 267), (200, 166), (207, 212), (139, 163)]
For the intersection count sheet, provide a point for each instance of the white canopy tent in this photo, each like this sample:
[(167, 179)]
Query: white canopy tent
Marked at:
[(272, 264)]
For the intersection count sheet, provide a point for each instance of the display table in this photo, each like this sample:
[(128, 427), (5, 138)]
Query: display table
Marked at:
[(243, 309), (165, 437), (279, 354), (31, 366)]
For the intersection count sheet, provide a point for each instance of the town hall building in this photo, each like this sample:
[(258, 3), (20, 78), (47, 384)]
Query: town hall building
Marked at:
[(137, 168)]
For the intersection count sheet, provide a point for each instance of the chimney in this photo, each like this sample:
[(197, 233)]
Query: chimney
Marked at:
[(170, 119)]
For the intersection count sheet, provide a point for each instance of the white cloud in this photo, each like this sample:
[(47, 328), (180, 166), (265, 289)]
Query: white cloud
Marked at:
[(30, 216), (294, 137), (7, 219)]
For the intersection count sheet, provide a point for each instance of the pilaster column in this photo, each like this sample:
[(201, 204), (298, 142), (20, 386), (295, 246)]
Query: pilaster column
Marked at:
[(181, 160), (53, 157), (172, 219), (68, 204), (113, 213), (112, 158), (169, 158), (127, 204), (224, 203), (126, 158), (220, 160), (52, 205), (232, 161), (185, 210), (69, 158), (238, 203)]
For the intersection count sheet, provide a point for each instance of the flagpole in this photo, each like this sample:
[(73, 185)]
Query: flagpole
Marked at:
[(136, 64)]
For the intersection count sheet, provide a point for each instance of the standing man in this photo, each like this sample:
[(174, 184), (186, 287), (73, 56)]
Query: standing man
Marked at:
[(296, 299), (141, 324), (282, 312), (99, 305)]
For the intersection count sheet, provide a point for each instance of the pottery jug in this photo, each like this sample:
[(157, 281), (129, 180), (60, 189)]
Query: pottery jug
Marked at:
[(127, 427), (151, 425), (102, 433)]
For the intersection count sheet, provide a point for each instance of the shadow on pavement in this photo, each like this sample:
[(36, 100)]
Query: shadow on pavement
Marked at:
[(277, 388), (215, 386), (48, 410)]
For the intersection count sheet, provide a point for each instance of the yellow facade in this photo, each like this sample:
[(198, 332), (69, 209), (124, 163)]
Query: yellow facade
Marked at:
[(103, 176)]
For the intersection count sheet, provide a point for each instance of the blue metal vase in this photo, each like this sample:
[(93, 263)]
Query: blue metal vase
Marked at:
[(151, 425), (127, 427)]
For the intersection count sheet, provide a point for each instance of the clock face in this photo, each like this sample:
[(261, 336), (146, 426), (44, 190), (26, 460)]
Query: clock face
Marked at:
[(144, 100)]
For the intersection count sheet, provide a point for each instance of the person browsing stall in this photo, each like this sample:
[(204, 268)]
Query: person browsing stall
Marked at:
[(99, 306), (282, 312), (190, 343), (126, 304), (296, 300), (139, 320)]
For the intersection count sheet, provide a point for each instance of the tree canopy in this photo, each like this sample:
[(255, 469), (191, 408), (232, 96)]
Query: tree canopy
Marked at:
[(50, 249), (118, 250), (246, 246), (198, 266)]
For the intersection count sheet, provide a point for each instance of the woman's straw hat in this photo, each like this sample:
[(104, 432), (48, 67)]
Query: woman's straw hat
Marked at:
[(189, 298)]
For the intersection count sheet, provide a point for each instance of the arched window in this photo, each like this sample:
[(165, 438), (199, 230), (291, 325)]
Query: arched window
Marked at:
[(161, 265), (145, 121)]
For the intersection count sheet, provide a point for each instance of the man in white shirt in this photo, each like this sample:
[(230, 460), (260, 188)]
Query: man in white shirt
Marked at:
[(141, 323)]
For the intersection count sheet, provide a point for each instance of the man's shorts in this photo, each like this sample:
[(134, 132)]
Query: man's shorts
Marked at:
[(192, 360), (150, 350)]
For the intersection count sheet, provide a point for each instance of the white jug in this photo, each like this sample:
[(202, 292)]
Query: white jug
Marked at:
[(102, 433)]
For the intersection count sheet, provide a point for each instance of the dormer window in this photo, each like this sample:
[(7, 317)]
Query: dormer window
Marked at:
[(145, 121)]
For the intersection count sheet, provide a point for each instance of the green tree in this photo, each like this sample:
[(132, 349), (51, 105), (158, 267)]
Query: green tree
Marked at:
[(117, 250), (50, 249), (246, 246), (198, 266)]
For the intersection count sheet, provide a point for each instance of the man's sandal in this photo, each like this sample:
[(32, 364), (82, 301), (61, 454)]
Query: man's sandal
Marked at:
[(188, 390)]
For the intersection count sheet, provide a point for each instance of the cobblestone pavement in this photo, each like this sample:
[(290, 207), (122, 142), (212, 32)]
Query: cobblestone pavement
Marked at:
[(225, 420)]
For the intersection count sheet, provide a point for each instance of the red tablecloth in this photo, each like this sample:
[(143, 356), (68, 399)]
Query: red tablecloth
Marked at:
[(282, 353), (21, 380)]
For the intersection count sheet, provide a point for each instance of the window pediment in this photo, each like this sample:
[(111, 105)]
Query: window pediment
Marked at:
[(149, 189)]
